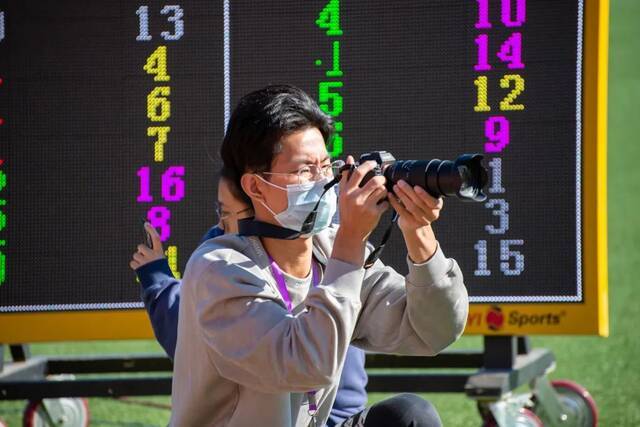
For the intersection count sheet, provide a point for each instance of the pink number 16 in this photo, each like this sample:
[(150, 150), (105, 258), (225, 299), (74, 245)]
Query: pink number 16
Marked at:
[(172, 184)]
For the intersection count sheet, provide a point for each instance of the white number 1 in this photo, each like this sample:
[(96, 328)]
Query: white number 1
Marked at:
[(1, 26), (143, 17)]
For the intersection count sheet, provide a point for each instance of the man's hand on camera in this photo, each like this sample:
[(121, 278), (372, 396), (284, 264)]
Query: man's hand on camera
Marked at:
[(417, 210), (360, 211), (416, 207), (145, 254)]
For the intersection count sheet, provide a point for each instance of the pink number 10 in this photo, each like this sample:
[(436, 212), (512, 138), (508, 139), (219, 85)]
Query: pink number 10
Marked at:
[(506, 14)]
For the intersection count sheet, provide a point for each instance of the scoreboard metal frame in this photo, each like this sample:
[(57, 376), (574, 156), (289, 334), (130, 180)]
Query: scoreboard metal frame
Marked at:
[(588, 317)]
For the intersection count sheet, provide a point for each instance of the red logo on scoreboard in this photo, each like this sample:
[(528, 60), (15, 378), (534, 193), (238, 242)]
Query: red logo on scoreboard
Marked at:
[(495, 318)]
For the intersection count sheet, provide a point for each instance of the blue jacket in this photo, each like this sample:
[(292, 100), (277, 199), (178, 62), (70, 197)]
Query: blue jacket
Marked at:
[(161, 297)]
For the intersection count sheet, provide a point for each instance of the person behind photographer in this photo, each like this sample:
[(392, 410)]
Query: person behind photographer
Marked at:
[(160, 288), (265, 323), (161, 297)]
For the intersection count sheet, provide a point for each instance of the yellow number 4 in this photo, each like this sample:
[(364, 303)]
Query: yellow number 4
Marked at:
[(157, 64)]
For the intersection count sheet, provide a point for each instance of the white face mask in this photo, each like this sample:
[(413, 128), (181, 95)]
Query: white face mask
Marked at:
[(301, 200)]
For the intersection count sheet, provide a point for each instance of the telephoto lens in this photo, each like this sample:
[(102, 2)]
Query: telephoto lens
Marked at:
[(464, 178)]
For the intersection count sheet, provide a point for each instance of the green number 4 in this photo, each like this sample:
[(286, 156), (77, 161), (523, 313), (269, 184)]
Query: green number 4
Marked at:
[(329, 18)]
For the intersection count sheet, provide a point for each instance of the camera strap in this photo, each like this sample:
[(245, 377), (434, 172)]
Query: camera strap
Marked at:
[(251, 227), (375, 254)]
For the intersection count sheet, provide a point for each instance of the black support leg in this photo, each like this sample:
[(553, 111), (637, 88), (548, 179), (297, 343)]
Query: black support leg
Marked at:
[(20, 352), (500, 352)]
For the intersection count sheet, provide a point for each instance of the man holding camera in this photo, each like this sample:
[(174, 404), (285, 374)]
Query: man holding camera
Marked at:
[(266, 316), (161, 297)]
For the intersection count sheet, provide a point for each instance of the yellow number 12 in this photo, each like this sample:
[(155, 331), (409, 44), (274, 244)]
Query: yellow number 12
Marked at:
[(507, 103)]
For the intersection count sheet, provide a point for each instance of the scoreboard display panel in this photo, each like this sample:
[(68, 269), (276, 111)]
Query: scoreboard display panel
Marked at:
[(111, 112)]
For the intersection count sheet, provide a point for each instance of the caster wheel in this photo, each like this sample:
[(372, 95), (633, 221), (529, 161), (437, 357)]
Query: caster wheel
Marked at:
[(75, 413), (525, 418), (577, 401)]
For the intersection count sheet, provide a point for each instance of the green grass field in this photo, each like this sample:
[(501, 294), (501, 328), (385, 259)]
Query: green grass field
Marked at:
[(609, 368)]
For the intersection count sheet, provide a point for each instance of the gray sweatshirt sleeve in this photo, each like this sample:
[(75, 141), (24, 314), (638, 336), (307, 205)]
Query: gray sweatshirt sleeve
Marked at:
[(418, 315), (252, 339)]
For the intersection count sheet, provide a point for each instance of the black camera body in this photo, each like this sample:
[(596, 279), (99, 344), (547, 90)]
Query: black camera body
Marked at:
[(464, 178)]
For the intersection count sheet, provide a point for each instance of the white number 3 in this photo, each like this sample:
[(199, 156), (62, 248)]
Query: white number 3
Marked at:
[(178, 23)]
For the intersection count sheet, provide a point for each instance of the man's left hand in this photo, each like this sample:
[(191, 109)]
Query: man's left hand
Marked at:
[(416, 207)]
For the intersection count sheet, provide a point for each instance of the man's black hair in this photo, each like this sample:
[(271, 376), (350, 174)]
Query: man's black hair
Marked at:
[(229, 176), (258, 123)]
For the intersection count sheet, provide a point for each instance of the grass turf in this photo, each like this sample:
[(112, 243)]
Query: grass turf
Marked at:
[(609, 368)]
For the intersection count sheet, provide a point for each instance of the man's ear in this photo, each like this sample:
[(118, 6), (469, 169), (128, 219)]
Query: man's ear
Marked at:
[(251, 186)]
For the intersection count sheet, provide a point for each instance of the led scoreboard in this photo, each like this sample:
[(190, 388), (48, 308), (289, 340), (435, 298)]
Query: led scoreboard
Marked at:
[(114, 111)]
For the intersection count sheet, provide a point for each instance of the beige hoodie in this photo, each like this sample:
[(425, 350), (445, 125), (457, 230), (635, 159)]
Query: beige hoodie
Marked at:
[(243, 361)]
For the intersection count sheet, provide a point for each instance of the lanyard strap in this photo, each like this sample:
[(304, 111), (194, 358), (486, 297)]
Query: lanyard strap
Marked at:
[(282, 284), (282, 287)]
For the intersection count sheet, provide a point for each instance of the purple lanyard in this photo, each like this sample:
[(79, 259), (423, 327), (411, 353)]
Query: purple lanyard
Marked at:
[(282, 287), (282, 284)]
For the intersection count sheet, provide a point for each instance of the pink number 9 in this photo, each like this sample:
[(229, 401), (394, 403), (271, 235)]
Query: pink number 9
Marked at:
[(159, 216), (496, 129)]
